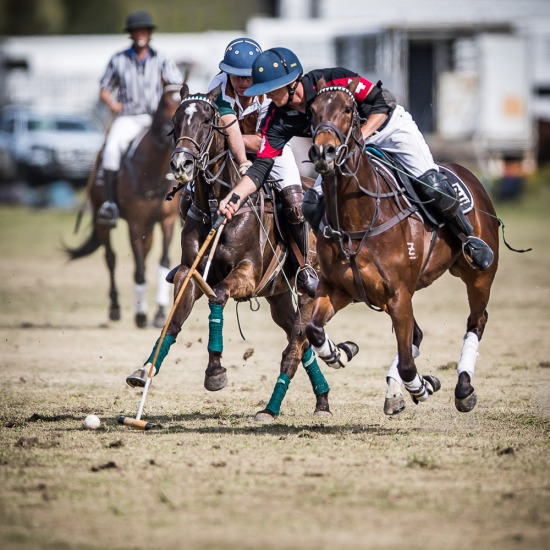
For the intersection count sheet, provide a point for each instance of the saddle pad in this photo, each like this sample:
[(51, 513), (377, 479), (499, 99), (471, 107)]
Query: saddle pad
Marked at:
[(462, 192)]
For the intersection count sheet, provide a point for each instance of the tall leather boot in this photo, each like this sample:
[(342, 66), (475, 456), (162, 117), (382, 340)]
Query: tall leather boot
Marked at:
[(108, 211), (292, 197), (446, 207)]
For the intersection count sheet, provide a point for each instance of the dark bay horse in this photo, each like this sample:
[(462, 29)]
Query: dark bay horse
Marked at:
[(375, 247), (248, 260), (141, 190)]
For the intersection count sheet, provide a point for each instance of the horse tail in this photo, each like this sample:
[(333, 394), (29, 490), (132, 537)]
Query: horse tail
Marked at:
[(86, 248)]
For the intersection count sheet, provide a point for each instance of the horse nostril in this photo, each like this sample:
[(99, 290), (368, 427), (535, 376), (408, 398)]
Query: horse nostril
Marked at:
[(314, 154), (330, 152)]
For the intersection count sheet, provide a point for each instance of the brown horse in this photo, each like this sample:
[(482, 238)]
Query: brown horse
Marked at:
[(248, 261), (375, 247), (141, 190)]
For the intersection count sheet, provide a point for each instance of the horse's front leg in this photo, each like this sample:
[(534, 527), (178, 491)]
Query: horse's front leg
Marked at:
[(141, 239), (180, 312), (401, 312), (328, 301), (394, 402), (240, 283), (163, 286)]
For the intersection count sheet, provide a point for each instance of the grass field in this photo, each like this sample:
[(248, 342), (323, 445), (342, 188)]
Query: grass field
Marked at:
[(209, 477)]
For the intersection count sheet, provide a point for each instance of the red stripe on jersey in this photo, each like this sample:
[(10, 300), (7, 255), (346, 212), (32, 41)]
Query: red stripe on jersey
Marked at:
[(363, 87), (266, 151)]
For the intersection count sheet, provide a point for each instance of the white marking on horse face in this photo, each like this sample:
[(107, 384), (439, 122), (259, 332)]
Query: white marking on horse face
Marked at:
[(190, 111)]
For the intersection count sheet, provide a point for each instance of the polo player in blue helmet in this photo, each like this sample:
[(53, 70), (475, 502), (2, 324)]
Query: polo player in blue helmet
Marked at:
[(244, 140), (278, 73)]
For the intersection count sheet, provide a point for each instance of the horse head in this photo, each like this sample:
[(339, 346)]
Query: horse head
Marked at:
[(161, 125), (335, 123), (195, 123)]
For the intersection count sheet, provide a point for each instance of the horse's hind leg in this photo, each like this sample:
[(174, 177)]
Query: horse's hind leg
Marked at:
[(104, 235), (297, 349), (478, 287), (394, 402)]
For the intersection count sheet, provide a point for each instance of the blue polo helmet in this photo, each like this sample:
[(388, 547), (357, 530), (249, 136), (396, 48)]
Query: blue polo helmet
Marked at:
[(239, 56), (273, 69)]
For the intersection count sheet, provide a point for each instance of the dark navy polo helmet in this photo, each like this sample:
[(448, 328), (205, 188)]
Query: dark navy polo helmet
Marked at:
[(239, 57), (273, 69), (139, 20)]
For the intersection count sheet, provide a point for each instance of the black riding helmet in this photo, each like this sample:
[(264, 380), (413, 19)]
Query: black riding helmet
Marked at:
[(139, 20)]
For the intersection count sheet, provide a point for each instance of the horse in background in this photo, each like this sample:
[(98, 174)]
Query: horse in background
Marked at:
[(141, 190), (375, 247)]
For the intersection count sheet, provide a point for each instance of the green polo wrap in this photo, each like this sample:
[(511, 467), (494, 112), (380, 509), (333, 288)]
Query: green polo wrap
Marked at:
[(163, 352), (215, 328), (316, 377), (279, 392)]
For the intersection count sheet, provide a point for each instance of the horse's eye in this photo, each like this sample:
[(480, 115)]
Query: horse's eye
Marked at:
[(347, 110), (208, 120)]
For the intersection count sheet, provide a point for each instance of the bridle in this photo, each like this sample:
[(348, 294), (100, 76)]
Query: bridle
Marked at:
[(344, 151)]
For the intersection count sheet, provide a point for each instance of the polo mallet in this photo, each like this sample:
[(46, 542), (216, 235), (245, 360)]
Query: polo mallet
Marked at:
[(136, 422)]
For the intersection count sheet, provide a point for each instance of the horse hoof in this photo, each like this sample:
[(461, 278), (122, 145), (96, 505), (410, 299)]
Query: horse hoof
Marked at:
[(264, 416), (467, 403), (141, 320), (394, 405), (114, 314), (322, 413), (216, 382), (137, 379), (159, 320)]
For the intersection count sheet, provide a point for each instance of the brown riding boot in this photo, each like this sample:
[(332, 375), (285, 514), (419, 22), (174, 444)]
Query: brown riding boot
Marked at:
[(292, 197), (108, 211)]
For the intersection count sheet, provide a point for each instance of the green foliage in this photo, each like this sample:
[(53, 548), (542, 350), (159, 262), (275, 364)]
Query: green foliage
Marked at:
[(40, 17)]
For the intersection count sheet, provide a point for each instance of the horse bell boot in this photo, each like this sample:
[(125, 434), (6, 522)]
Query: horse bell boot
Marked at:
[(292, 200), (442, 199), (108, 211)]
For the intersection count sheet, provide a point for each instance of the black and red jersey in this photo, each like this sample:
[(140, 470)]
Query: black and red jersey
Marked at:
[(281, 124)]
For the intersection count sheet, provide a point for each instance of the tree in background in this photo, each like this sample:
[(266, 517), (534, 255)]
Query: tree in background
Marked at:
[(40, 17)]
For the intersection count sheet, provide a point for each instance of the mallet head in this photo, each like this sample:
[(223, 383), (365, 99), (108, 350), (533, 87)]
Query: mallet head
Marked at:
[(134, 423)]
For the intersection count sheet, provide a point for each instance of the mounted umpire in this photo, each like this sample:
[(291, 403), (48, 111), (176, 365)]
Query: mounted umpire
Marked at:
[(131, 88)]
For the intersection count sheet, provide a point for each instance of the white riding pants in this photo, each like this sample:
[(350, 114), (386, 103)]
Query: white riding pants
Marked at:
[(402, 138), (285, 170), (123, 131)]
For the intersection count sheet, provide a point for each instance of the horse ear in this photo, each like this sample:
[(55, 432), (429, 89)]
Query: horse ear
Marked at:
[(321, 83), (213, 94), (353, 84), (184, 91)]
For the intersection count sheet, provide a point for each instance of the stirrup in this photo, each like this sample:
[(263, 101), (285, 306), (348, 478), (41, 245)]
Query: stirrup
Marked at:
[(307, 280), (108, 214), (478, 253)]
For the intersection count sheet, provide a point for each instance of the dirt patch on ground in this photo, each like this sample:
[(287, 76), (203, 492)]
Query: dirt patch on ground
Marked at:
[(209, 476)]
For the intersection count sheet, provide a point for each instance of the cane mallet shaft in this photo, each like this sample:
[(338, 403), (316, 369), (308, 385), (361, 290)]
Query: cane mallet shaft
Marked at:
[(137, 422)]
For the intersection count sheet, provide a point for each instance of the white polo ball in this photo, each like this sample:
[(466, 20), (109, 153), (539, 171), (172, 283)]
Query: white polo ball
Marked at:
[(92, 422)]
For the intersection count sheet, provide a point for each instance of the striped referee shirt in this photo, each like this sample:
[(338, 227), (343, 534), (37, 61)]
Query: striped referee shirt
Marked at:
[(138, 84)]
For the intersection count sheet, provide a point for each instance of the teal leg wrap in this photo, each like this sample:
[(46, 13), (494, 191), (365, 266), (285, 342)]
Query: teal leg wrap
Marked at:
[(215, 328), (316, 377), (279, 392), (163, 352)]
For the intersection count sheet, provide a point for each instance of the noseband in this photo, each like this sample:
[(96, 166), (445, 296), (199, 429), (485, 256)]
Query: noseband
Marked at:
[(343, 150), (201, 155)]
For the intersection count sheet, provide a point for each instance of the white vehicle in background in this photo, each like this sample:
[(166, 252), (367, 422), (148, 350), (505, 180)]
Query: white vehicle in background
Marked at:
[(41, 146)]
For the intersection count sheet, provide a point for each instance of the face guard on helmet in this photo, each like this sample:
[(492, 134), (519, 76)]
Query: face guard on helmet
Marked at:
[(274, 69), (239, 57)]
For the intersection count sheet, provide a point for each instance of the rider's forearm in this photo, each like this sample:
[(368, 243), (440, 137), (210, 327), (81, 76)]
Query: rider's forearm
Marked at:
[(244, 188), (252, 142), (373, 123), (234, 138), (107, 98)]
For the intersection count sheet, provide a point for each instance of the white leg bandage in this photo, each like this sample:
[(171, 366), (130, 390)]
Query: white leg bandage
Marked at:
[(140, 298), (163, 287), (417, 389), (468, 357), (331, 354), (393, 372)]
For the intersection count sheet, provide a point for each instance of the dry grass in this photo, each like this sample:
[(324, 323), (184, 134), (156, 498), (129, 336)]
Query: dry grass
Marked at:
[(209, 476)]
